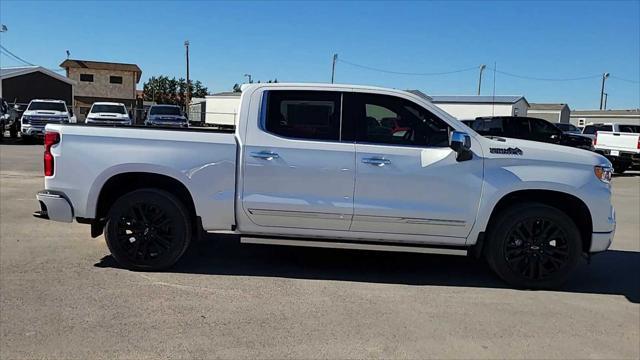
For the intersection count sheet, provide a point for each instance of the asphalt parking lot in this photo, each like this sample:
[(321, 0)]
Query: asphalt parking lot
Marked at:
[(62, 296)]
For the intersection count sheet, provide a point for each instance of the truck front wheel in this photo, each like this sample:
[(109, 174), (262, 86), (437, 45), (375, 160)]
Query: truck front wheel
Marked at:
[(148, 229), (533, 246)]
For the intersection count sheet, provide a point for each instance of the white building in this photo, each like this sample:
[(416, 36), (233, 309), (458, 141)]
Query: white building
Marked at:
[(471, 107), (584, 117)]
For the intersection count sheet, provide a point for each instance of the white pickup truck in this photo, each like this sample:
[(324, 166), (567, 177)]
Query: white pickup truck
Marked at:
[(620, 144), (339, 166)]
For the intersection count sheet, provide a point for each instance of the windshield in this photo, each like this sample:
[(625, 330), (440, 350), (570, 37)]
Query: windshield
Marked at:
[(165, 110), (116, 109), (52, 106)]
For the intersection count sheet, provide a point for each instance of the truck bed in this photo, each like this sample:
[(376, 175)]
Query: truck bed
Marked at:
[(203, 159)]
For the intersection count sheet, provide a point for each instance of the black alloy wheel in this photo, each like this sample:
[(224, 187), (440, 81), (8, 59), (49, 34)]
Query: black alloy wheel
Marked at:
[(536, 248), (533, 246), (147, 229)]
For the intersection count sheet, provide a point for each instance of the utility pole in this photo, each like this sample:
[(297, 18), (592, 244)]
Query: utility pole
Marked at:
[(186, 45), (604, 77), (482, 67), (333, 67), (606, 96)]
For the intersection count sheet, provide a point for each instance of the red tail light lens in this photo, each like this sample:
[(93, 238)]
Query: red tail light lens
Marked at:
[(50, 138), (595, 140)]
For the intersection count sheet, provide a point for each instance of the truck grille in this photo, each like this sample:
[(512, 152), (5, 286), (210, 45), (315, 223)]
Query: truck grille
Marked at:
[(42, 121)]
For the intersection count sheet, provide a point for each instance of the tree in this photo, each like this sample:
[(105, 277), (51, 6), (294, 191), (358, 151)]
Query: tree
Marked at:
[(163, 90)]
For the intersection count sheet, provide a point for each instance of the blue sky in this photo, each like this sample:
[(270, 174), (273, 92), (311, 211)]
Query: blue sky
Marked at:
[(294, 41)]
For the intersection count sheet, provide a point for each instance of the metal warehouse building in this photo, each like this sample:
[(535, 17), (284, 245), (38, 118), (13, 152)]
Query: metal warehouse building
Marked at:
[(555, 113), (23, 84), (470, 107)]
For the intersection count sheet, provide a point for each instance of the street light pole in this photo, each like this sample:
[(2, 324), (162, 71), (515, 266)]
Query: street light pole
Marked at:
[(186, 106), (482, 67), (604, 77), (606, 96), (333, 67)]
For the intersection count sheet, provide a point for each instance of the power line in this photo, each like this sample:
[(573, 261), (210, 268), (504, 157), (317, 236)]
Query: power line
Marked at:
[(627, 80), (7, 52), (546, 79), (405, 73)]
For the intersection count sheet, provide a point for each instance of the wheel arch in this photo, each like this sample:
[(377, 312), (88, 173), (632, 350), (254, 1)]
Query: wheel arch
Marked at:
[(123, 183), (571, 205)]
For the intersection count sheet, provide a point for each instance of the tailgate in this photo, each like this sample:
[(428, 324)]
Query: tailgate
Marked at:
[(617, 141)]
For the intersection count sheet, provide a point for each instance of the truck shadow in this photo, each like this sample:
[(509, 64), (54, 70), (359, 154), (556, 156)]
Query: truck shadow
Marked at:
[(614, 272)]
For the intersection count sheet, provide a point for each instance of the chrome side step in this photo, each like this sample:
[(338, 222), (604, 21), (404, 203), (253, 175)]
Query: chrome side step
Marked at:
[(412, 248)]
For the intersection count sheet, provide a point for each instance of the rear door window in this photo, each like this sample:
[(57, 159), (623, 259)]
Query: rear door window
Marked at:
[(313, 115)]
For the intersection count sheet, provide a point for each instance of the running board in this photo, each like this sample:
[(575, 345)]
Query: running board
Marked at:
[(411, 248)]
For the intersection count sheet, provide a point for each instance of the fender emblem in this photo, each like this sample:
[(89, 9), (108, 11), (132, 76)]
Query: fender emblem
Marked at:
[(509, 151)]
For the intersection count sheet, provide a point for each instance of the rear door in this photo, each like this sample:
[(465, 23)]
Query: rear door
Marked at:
[(408, 180), (297, 171)]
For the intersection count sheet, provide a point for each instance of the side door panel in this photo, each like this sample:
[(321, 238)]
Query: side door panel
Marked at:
[(404, 188), (291, 178)]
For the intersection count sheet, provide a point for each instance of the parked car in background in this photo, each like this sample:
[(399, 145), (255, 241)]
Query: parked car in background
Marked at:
[(108, 113), (527, 128), (568, 128), (166, 115), (621, 146), (39, 113), (306, 166), (9, 116)]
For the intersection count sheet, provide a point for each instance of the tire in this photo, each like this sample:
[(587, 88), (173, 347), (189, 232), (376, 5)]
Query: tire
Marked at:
[(533, 246), (619, 167), (13, 131), (148, 229)]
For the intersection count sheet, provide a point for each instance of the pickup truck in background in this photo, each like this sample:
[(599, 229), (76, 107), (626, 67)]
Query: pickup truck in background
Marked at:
[(527, 128), (39, 113), (167, 116), (316, 165), (108, 113), (621, 146)]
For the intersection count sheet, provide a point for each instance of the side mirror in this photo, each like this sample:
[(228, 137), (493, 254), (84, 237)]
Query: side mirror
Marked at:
[(460, 142), (555, 137)]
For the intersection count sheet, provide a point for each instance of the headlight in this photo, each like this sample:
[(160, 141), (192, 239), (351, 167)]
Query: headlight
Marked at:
[(25, 119), (603, 173)]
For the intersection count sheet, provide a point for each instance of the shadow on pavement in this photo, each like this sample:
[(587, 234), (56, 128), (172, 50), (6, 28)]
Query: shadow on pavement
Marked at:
[(613, 272)]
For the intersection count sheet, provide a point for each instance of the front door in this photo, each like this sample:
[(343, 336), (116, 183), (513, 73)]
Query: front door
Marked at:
[(407, 178), (297, 172)]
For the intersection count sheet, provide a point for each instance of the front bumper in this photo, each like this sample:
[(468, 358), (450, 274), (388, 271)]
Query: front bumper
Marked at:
[(600, 241), (54, 206), (31, 130)]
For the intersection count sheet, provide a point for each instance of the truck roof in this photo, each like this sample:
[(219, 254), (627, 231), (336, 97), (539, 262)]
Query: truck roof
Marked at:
[(47, 100)]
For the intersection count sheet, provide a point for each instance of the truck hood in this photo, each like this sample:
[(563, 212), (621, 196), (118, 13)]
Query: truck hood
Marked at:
[(46, 113), (501, 148)]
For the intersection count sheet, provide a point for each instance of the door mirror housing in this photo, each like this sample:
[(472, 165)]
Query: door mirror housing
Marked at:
[(460, 142)]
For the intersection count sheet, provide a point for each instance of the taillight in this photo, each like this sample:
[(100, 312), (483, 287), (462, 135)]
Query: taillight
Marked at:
[(638, 143), (50, 138), (595, 140)]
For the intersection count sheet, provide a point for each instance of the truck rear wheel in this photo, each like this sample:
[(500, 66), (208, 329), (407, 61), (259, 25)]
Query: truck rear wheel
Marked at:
[(620, 167), (148, 229), (533, 246)]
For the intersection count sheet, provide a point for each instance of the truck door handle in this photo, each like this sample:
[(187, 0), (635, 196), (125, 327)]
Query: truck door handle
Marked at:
[(266, 155), (376, 161)]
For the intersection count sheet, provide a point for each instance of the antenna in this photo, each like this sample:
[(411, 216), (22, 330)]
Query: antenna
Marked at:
[(493, 99)]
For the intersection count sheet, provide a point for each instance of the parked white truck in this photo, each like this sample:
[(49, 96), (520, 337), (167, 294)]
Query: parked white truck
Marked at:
[(314, 165), (620, 143)]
